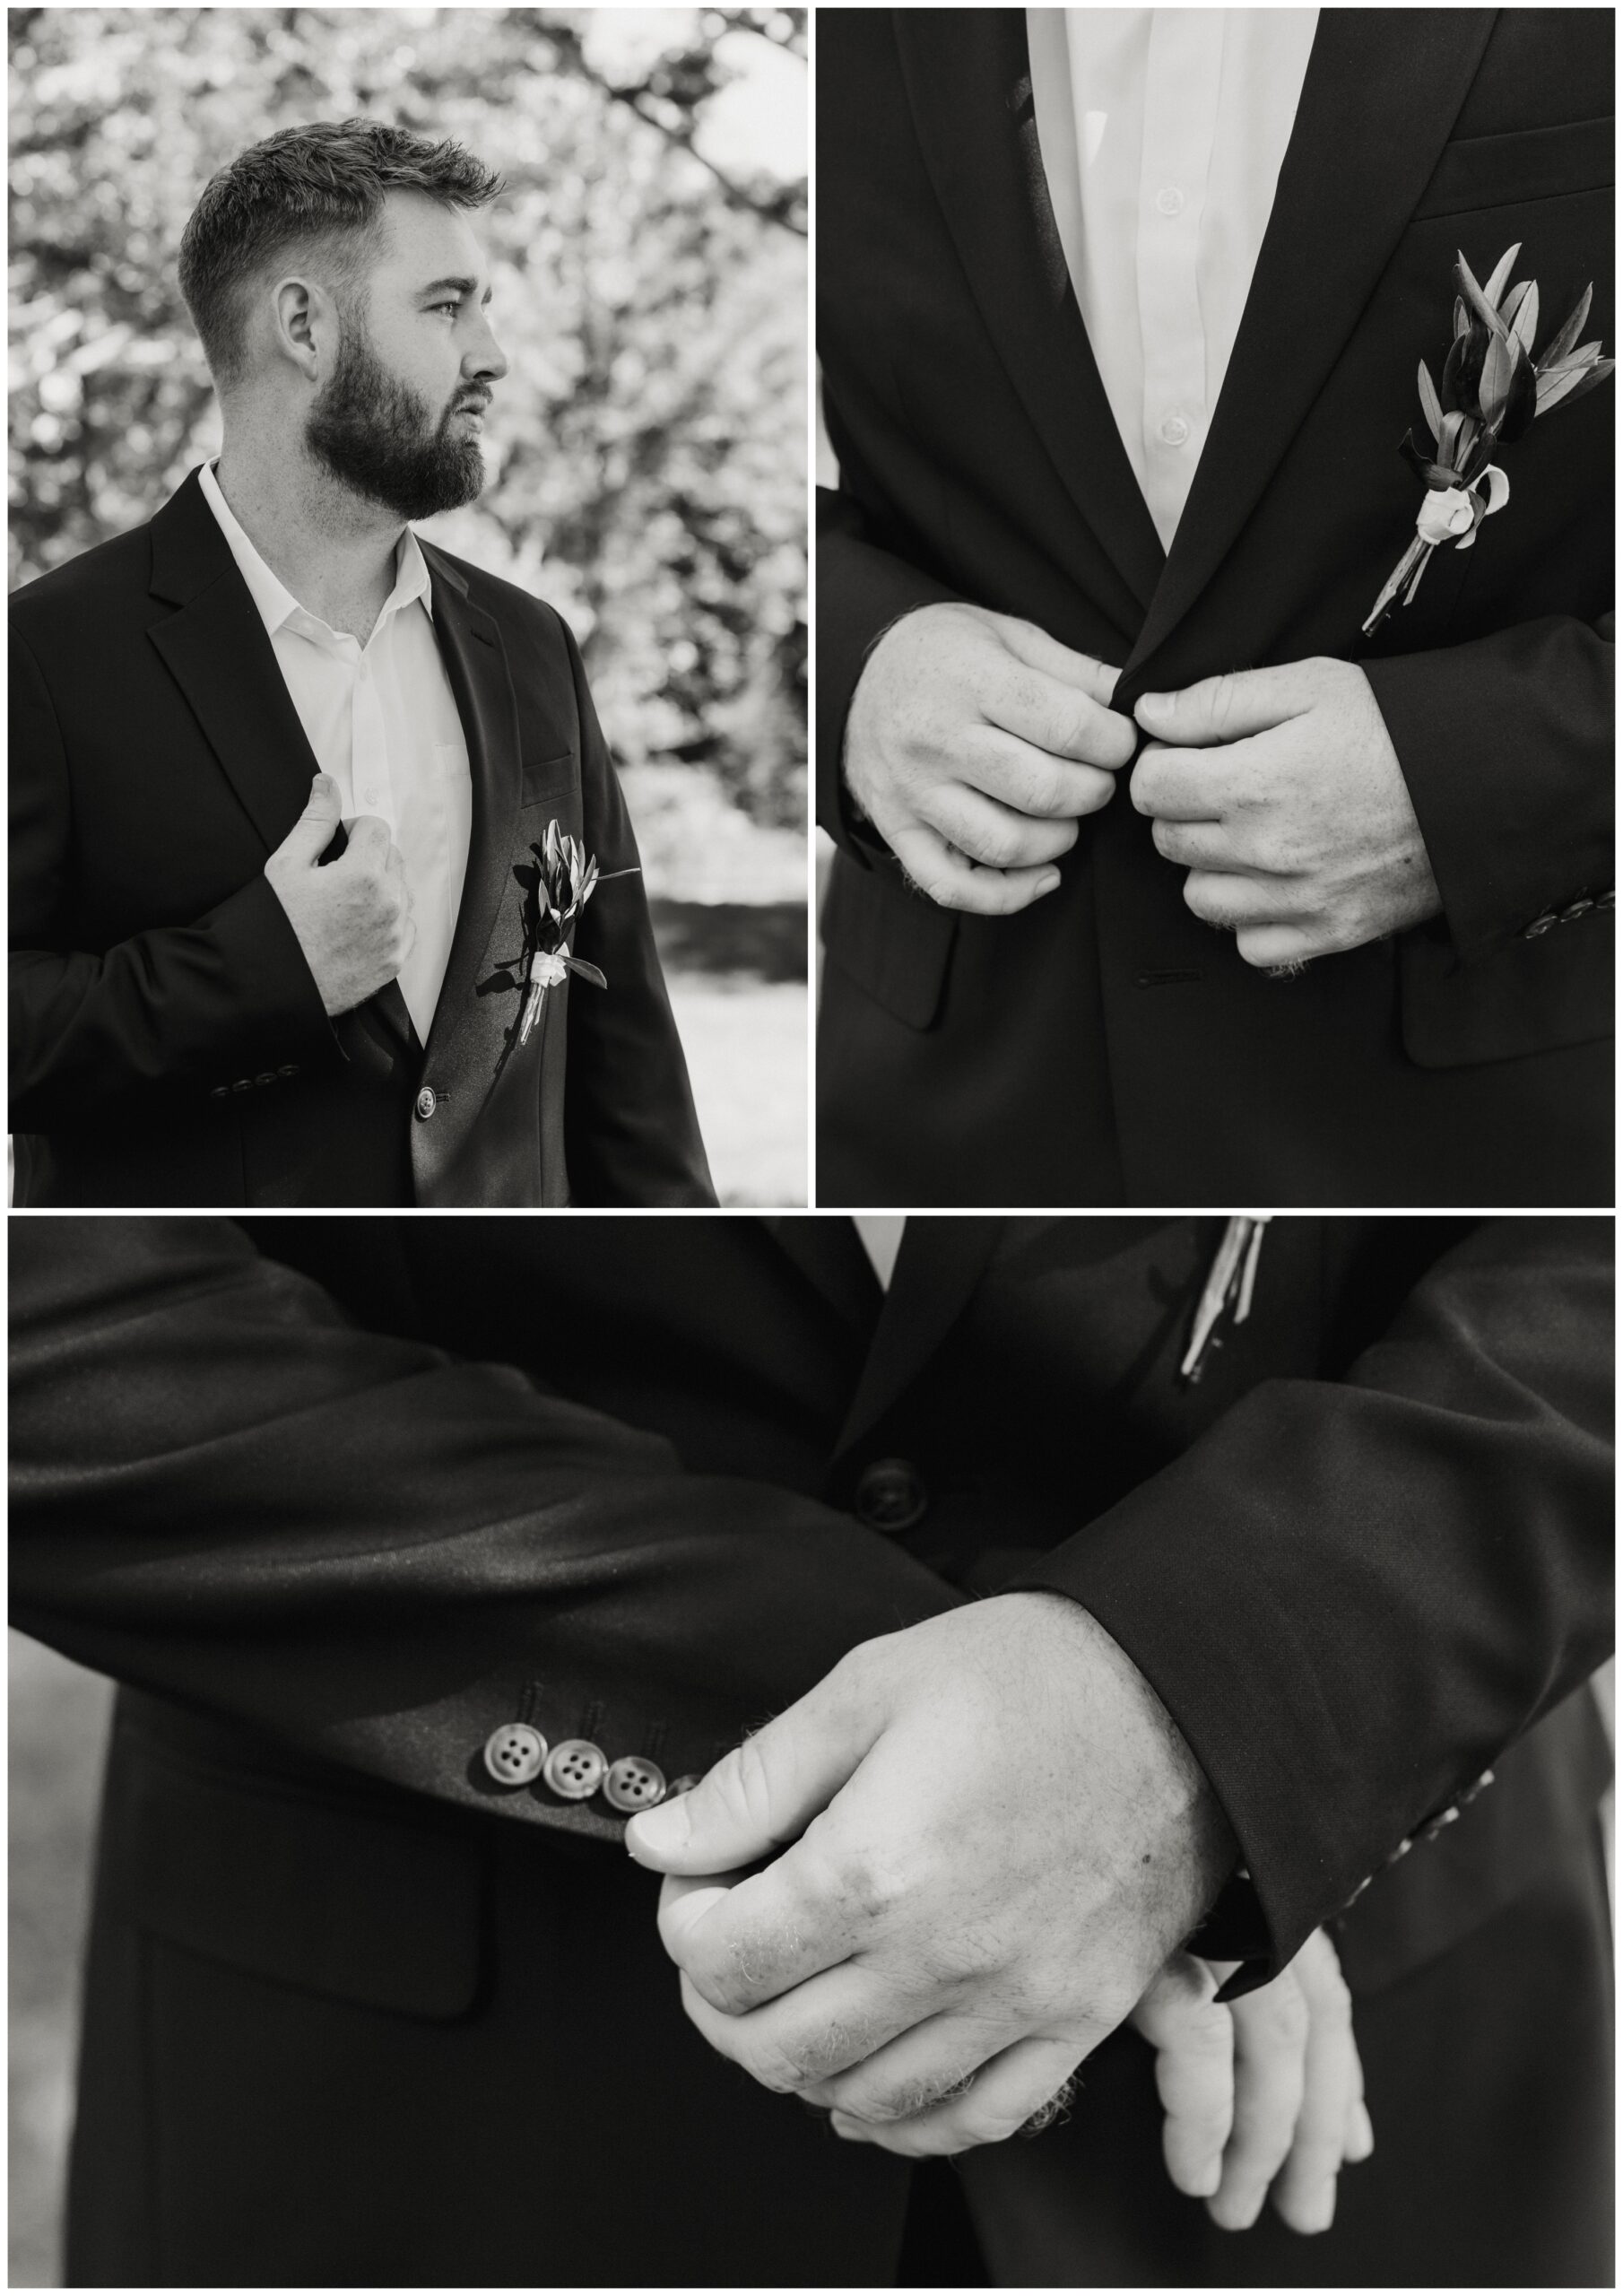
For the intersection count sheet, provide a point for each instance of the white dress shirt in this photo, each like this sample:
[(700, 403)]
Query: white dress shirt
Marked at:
[(881, 1235), (1162, 133), (382, 721)]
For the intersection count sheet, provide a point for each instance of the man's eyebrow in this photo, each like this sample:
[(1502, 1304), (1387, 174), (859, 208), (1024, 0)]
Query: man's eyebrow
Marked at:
[(457, 286)]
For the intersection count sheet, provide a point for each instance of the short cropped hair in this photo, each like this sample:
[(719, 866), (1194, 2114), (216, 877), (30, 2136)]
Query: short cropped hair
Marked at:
[(325, 182)]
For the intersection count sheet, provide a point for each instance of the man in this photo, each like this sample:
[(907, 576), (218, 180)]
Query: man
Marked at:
[(431, 1550), (216, 998), (1121, 317)]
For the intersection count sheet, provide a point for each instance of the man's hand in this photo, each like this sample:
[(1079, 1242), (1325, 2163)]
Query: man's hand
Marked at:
[(974, 744), (997, 1834), (353, 918), (1281, 792), (1265, 2092)]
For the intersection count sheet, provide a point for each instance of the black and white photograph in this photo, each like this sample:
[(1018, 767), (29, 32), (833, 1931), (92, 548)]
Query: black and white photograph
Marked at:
[(1215, 605), (811, 1218), (285, 283), (1108, 1756)]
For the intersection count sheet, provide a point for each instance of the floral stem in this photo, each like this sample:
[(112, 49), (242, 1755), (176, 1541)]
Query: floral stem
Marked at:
[(1418, 552)]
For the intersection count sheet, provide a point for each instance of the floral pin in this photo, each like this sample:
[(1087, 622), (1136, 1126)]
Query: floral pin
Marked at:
[(566, 878), (1493, 390)]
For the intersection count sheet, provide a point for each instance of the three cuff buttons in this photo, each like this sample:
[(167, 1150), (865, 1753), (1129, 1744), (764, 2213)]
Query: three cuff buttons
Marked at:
[(575, 1769)]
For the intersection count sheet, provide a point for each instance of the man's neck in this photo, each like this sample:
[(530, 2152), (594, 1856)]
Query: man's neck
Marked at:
[(334, 550)]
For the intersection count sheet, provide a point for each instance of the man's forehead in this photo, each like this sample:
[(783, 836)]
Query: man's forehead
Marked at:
[(423, 237)]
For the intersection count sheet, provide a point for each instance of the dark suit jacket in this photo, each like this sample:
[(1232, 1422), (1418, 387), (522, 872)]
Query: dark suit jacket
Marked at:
[(167, 1044), (1105, 1047), (339, 1498)]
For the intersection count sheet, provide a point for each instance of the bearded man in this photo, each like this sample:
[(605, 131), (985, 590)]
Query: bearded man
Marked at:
[(296, 915)]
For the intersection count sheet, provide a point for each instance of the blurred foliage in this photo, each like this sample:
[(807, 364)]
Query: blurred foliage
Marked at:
[(647, 449)]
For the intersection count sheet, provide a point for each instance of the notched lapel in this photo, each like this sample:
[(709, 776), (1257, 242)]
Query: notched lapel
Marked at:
[(968, 78), (1383, 91), (217, 650), (940, 1263), (482, 684)]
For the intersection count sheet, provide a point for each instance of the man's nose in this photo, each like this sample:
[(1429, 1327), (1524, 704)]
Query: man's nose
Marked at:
[(487, 358)]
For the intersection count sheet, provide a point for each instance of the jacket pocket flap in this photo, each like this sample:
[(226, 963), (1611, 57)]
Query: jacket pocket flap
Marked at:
[(1529, 163), (1536, 995), (308, 1892), (546, 777), (893, 942)]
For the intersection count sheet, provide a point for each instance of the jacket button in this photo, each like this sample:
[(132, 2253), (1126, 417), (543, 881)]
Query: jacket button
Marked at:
[(428, 1100), (890, 1495), (220, 1092), (291, 1069), (514, 1754), (575, 1769), (633, 1784), (684, 1784), (1539, 925)]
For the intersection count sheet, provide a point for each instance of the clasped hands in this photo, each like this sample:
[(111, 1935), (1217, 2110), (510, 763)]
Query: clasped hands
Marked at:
[(987, 1842), (976, 743)]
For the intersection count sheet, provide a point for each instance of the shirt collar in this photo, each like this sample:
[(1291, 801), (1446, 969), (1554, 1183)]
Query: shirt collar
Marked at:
[(275, 602)]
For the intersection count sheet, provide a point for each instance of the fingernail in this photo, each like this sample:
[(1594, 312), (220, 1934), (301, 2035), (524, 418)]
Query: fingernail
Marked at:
[(1049, 882), (1205, 2181), (1318, 2211), (662, 1833), (1149, 705), (1363, 2130), (844, 2126)]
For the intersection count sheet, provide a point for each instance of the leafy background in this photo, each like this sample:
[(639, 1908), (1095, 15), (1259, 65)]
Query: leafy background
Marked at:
[(647, 450)]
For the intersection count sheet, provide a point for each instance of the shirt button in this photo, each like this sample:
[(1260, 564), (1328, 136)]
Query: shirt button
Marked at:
[(1170, 200), (428, 1100), (514, 1753), (890, 1495), (1175, 430), (575, 1769), (633, 1784)]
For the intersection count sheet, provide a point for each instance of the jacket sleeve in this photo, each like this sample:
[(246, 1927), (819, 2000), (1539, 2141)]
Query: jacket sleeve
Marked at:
[(1507, 746), (631, 1130), (1352, 1595), (226, 1492), (192, 1006)]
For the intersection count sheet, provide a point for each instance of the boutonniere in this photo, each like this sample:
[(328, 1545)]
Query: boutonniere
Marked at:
[(566, 878), (1493, 390)]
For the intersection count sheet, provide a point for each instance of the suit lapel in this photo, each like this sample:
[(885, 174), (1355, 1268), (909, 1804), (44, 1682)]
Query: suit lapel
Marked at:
[(940, 1263), (828, 1251), (1383, 90), (476, 663), (220, 654), (968, 80)]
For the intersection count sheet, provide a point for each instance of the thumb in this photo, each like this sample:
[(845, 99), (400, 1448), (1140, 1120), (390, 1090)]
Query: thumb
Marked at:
[(312, 832), (1224, 709), (765, 1792)]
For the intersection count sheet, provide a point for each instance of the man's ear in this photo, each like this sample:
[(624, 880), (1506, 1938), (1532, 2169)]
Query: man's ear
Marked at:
[(305, 321)]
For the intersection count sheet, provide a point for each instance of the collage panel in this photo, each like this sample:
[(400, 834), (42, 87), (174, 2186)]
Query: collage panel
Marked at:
[(353, 868), (689, 1605)]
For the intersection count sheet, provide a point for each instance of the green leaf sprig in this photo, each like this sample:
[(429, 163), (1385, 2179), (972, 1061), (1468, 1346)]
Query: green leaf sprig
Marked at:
[(1492, 391)]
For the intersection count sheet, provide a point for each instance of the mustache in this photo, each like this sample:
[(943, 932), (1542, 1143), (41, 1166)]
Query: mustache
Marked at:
[(470, 402)]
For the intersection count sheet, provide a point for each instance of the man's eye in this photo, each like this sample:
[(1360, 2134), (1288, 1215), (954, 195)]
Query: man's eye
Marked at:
[(453, 307)]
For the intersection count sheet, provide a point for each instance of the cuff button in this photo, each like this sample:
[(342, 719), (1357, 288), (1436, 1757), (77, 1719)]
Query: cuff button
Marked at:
[(575, 1769), (514, 1753), (633, 1784)]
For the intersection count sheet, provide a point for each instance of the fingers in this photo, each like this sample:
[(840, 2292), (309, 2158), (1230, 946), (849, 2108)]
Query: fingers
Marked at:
[(1054, 714), (1227, 709), (1028, 644), (930, 2063), (1003, 2096), (990, 834), (1201, 845), (1332, 2088), (804, 1913), (766, 1791), (1185, 785), (312, 832), (1269, 2044), (1193, 2035), (369, 843), (1030, 780), (809, 2041), (949, 881)]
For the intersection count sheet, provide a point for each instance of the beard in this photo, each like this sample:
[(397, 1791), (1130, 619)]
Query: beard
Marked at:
[(376, 434)]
